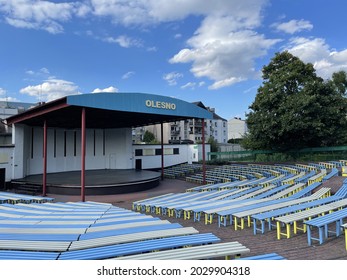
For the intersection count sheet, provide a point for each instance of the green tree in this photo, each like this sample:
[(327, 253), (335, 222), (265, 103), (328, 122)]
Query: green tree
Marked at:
[(148, 137), (213, 144), (294, 108), (339, 80)]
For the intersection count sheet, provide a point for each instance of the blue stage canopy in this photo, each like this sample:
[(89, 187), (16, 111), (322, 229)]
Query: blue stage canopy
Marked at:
[(111, 110), (140, 103)]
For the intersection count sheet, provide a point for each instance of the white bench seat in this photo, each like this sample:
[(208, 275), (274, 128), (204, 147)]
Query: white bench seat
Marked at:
[(138, 247), (128, 225), (202, 252), (125, 238), (240, 216)]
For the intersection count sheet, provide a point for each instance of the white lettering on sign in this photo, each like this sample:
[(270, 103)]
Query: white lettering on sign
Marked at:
[(160, 105)]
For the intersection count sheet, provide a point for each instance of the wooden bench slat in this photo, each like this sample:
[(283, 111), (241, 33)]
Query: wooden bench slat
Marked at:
[(194, 253), (110, 251), (322, 223), (132, 237)]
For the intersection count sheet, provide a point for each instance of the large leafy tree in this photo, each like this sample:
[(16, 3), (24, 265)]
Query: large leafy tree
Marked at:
[(294, 108), (148, 137), (339, 81)]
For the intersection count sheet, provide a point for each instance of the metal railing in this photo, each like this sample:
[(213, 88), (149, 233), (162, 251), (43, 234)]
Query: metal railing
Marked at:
[(307, 154)]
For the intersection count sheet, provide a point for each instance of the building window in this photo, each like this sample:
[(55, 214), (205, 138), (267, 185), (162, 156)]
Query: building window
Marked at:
[(148, 152), (156, 152)]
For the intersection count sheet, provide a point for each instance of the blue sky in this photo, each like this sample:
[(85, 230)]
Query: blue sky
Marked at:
[(194, 50)]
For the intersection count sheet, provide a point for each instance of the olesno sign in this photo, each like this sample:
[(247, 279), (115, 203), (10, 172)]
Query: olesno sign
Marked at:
[(160, 105)]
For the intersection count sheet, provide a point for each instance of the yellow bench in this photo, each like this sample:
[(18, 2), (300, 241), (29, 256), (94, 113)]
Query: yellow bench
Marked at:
[(345, 227)]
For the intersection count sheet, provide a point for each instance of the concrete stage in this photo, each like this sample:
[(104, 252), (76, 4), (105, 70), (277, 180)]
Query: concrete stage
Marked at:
[(98, 182)]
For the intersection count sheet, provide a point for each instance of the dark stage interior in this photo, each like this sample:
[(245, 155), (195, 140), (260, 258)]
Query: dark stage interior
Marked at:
[(98, 182)]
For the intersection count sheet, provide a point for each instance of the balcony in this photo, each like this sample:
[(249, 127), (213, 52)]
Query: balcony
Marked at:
[(175, 132)]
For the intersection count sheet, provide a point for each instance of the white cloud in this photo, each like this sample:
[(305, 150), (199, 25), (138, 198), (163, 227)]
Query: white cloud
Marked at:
[(172, 78), (45, 15), (124, 41), (316, 51), (128, 75), (223, 55), (30, 72), (9, 99), (226, 82), (41, 72), (224, 48), (145, 12), (5, 97), (251, 89), (50, 15), (152, 49), (109, 89), (44, 70), (308, 49), (190, 85), (293, 26), (2, 92), (51, 89)]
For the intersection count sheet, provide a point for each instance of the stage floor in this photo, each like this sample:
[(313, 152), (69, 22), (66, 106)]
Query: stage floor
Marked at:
[(107, 181)]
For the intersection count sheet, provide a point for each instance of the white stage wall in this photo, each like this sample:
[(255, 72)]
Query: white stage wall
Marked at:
[(105, 149)]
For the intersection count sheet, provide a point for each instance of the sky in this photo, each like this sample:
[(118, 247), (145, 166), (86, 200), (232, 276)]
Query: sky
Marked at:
[(193, 50)]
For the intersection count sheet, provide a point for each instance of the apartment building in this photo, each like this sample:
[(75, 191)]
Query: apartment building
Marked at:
[(188, 131)]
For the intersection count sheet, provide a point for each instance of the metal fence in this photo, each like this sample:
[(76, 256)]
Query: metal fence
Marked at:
[(307, 154)]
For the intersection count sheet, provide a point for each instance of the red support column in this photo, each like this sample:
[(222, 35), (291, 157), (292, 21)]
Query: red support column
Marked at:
[(162, 150), (203, 154), (83, 153), (44, 175)]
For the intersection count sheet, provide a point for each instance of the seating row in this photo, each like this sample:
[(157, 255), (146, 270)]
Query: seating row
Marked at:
[(13, 198), (295, 218), (226, 250), (58, 231)]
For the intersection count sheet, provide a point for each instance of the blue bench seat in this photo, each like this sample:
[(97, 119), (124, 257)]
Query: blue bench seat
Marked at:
[(27, 255), (322, 224), (342, 191), (333, 172), (264, 217)]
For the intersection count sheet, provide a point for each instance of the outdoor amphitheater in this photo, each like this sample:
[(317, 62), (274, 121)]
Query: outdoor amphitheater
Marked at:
[(234, 211)]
